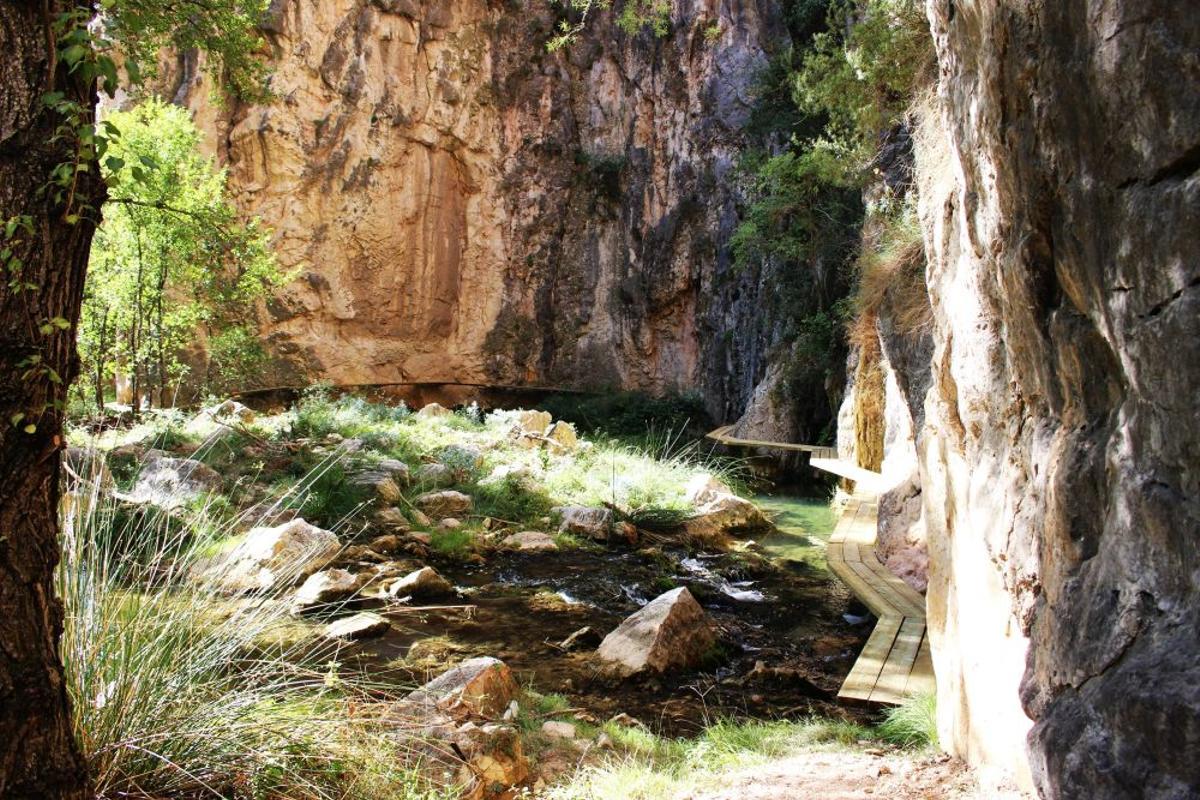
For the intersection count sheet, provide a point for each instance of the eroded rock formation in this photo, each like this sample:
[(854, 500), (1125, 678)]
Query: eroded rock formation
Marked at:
[(464, 206), (1060, 453)]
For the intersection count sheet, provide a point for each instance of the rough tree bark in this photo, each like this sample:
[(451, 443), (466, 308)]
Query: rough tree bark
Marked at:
[(39, 757)]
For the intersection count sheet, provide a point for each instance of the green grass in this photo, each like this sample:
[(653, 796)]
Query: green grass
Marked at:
[(644, 766), (455, 544), (173, 694), (913, 723)]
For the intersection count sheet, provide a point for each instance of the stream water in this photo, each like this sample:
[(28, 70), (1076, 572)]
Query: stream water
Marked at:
[(785, 645)]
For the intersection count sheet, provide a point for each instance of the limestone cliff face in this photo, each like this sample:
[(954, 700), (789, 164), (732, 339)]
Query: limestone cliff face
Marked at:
[(463, 206), (1060, 452)]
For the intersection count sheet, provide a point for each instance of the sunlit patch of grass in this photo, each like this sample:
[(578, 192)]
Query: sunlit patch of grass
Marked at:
[(644, 766), (455, 543), (913, 723)]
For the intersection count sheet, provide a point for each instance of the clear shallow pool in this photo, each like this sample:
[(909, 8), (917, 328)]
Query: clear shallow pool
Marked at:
[(804, 525)]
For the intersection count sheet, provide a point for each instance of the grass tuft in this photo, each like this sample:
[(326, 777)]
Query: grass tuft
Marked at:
[(913, 723)]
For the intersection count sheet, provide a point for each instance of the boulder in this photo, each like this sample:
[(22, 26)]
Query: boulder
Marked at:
[(440, 505), (267, 558), (535, 422), (722, 515), (530, 541), (450, 524), (380, 482), (671, 632), (322, 588), (595, 523), (170, 483), (434, 410), (558, 730), (359, 626), (230, 411), (439, 476), (392, 518), (425, 582), (397, 470), (481, 686), (387, 544), (563, 436)]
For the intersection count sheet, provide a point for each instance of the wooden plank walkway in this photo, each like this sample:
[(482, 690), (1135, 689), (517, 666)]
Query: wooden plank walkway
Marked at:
[(896, 661)]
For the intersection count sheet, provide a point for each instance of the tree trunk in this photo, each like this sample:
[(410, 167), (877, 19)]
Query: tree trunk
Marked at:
[(39, 757)]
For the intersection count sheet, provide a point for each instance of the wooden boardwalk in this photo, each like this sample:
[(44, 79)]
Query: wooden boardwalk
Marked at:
[(896, 662)]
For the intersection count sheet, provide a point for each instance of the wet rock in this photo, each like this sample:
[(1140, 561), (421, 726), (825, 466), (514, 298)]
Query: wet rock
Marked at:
[(380, 483), (439, 476), (359, 626), (323, 588), (481, 686), (270, 557), (425, 582), (558, 730), (594, 523), (170, 483), (440, 505), (584, 637), (671, 632), (434, 410), (530, 541)]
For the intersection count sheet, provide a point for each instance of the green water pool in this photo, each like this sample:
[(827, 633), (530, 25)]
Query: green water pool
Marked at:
[(804, 525)]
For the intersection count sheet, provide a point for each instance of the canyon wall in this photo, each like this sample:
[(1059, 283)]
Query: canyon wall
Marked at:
[(463, 206), (1060, 450)]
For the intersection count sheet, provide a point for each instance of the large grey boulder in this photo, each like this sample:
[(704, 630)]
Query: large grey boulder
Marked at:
[(672, 632)]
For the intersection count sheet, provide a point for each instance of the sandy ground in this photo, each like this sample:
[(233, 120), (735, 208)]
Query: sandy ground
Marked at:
[(855, 776)]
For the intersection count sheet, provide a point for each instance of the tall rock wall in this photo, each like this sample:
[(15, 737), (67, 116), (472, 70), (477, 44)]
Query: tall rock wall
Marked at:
[(1060, 453), (464, 206)]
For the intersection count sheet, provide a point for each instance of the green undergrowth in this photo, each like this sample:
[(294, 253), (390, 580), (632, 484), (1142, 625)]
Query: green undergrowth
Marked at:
[(178, 692)]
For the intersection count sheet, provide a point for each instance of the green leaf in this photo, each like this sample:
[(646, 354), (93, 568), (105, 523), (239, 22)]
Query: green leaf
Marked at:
[(60, 323), (31, 428), (16, 418), (72, 54), (114, 163)]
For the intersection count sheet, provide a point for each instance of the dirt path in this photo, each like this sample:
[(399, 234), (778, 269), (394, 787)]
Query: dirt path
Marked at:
[(858, 775)]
